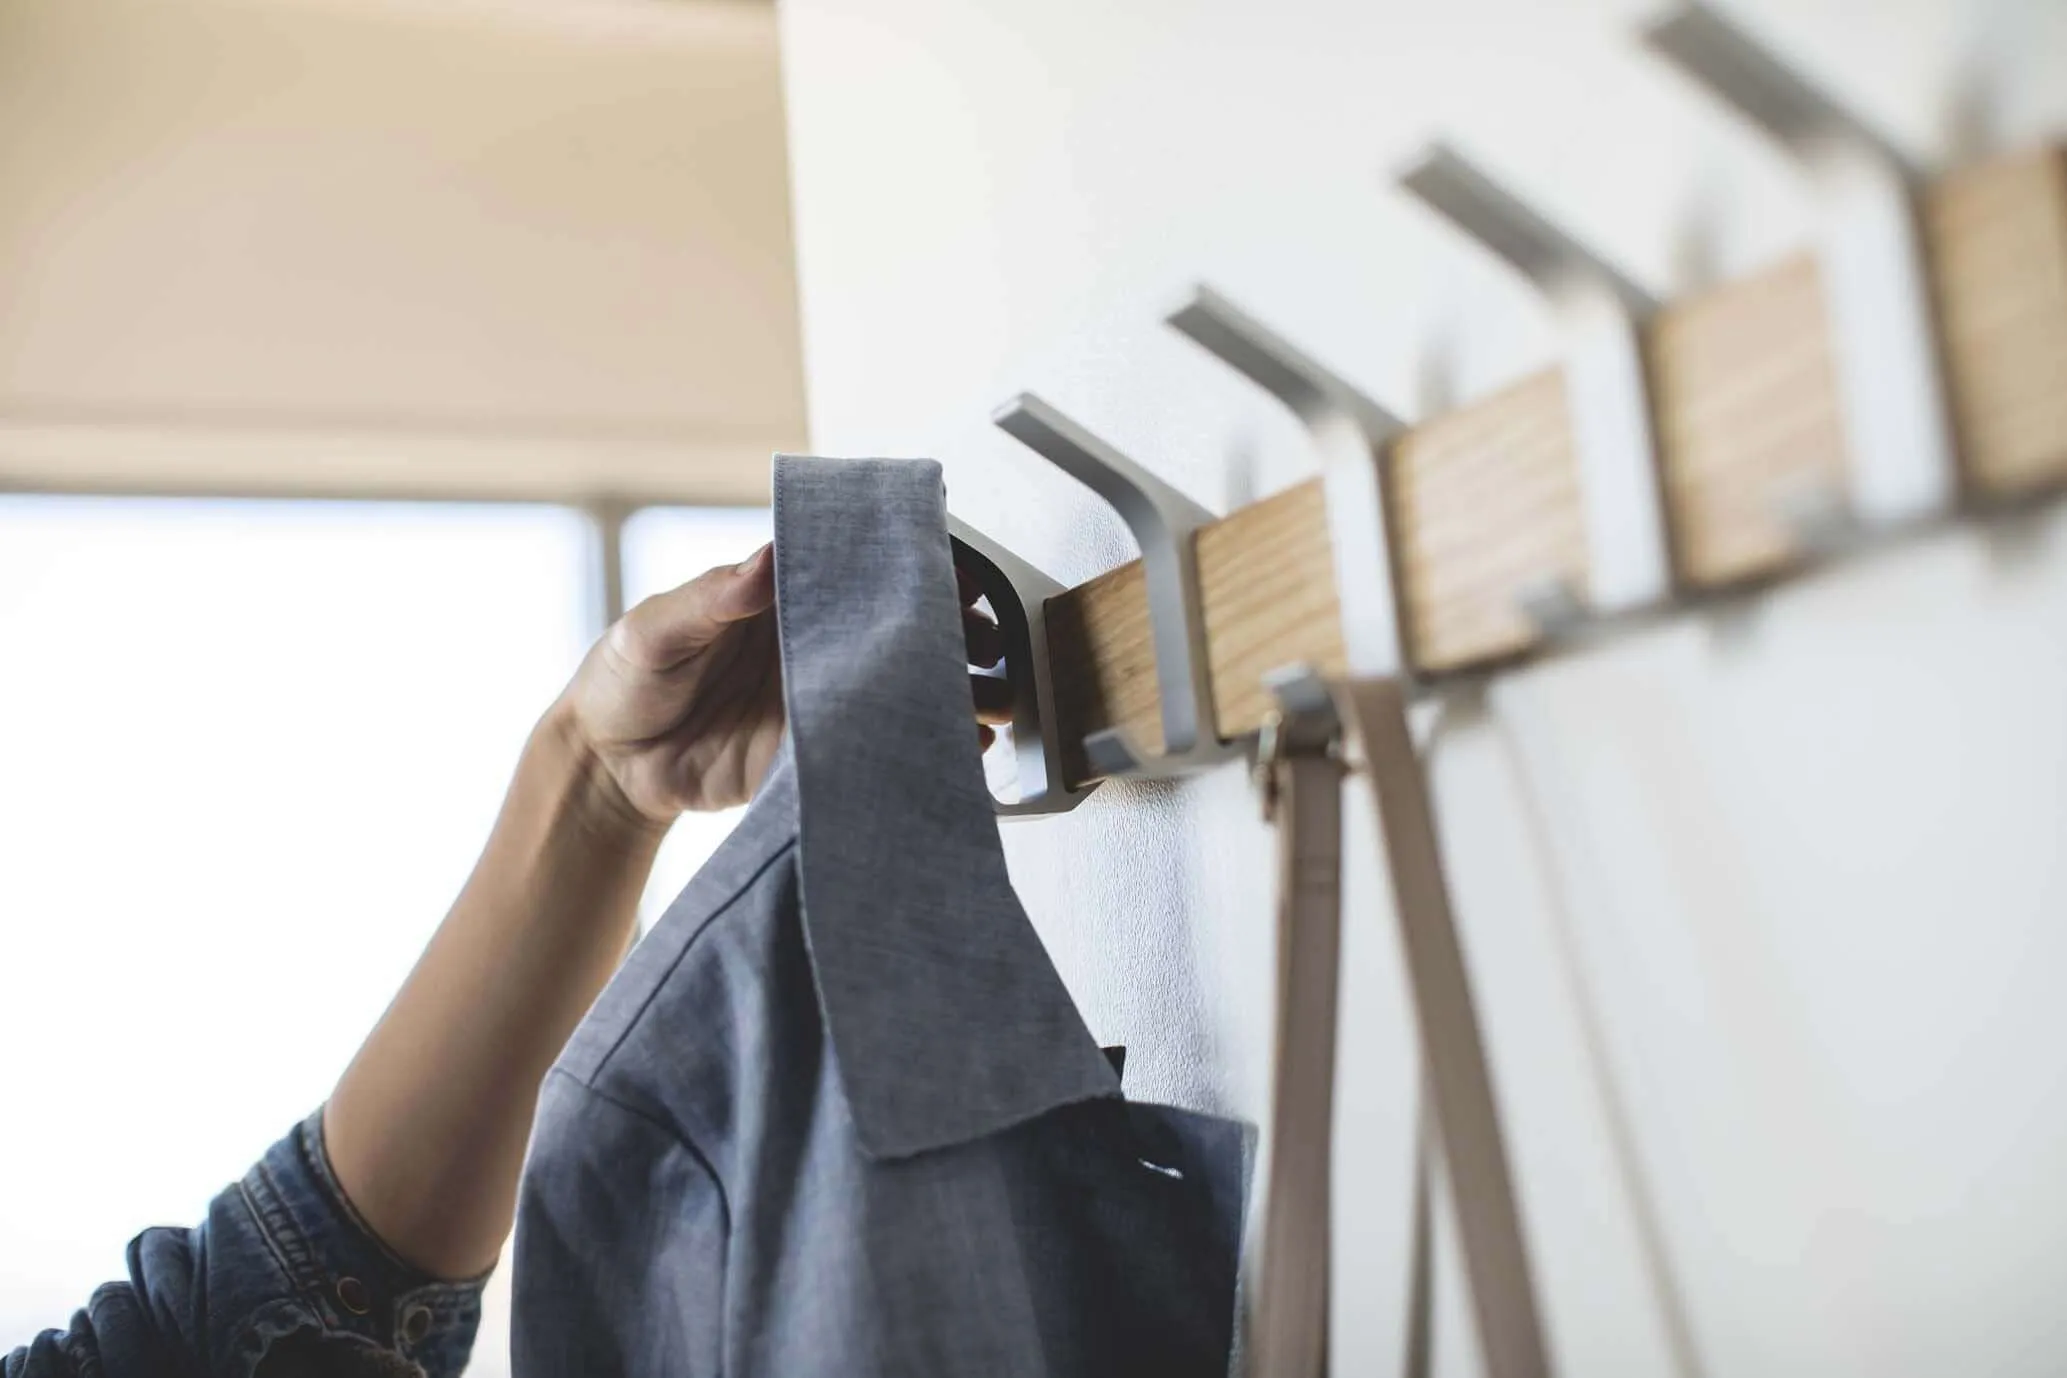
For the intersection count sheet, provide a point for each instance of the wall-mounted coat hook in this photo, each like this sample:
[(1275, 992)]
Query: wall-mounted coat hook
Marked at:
[(1902, 465), (1352, 433), (1629, 563), (1163, 521), (1019, 595)]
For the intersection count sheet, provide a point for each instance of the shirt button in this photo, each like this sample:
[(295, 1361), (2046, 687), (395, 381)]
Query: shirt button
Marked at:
[(416, 1323), (353, 1296)]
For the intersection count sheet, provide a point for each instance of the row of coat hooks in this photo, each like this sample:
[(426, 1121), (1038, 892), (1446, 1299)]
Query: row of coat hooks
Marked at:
[(1911, 368)]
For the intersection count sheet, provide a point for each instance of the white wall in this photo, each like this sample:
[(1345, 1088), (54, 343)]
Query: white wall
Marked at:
[(1803, 862), (489, 246)]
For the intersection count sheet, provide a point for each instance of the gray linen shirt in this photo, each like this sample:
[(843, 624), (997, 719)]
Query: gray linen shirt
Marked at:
[(838, 1114)]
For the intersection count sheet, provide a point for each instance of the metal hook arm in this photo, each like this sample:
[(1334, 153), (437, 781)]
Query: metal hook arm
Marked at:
[(1459, 191), (1163, 521), (1018, 595), (1352, 433), (1760, 85), (1629, 559)]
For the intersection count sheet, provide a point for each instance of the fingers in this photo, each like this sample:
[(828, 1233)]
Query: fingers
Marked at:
[(669, 628), (993, 698), (752, 589), (986, 642), (986, 648), (979, 629)]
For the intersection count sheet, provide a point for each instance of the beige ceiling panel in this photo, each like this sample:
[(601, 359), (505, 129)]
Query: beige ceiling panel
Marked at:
[(536, 247)]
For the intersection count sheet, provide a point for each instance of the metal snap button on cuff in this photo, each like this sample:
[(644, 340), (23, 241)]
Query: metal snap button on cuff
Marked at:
[(353, 1296), (416, 1323)]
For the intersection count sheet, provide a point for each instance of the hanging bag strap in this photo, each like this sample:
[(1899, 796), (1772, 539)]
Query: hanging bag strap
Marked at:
[(1300, 768), (1465, 1120), (1301, 781)]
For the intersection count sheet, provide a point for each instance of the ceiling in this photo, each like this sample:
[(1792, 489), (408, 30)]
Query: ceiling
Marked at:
[(529, 248)]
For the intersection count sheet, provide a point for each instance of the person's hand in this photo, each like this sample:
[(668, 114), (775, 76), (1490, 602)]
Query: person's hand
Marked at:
[(680, 703)]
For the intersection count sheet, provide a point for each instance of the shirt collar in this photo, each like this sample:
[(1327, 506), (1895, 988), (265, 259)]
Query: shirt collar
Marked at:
[(947, 1019)]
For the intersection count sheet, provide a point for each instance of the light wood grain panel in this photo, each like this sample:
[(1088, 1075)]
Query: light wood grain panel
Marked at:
[(1486, 502), (1104, 663), (1747, 419), (1998, 241), (1266, 577)]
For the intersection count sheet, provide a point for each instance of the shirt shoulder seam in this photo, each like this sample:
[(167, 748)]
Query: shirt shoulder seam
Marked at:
[(672, 1132), (602, 1062)]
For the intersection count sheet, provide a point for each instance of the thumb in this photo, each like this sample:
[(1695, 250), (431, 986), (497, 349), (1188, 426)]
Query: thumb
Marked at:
[(750, 590), (669, 628)]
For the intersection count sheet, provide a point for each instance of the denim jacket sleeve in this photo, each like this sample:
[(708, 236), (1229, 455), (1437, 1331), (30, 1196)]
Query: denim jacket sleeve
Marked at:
[(282, 1266)]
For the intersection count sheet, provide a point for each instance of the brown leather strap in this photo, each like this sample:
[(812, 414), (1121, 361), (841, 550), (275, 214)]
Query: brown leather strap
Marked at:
[(1464, 1117), (1287, 1334)]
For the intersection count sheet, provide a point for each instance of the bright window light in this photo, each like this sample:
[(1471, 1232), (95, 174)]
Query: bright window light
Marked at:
[(248, 752)]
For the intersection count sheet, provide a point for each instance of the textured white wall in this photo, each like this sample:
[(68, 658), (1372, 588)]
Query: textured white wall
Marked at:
[(1795, 871)]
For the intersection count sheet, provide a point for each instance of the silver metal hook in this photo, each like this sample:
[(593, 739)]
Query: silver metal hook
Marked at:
[(1352, 434), (1600, 311), (1902, 465), (1163, 521), (1019, 595)]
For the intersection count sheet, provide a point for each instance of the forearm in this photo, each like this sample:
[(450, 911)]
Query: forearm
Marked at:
[(427, 1128)]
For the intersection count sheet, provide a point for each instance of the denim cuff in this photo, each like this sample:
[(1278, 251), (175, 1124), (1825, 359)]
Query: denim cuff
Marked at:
[(346, 1285)]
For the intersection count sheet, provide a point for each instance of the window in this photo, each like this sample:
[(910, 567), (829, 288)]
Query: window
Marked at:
[(248, 752)]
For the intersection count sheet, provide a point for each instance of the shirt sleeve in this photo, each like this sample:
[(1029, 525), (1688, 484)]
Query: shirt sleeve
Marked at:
[(282, 1265), (621, 1245)]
